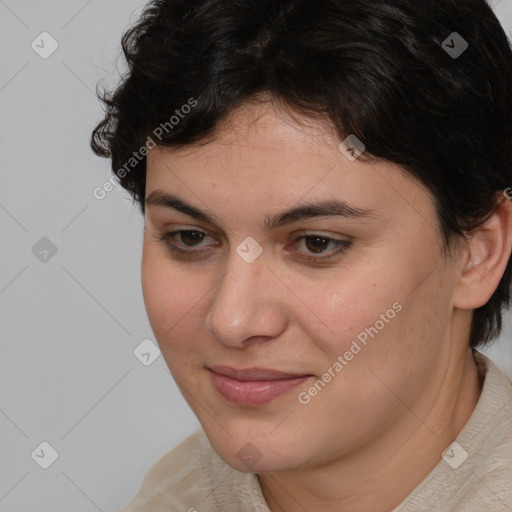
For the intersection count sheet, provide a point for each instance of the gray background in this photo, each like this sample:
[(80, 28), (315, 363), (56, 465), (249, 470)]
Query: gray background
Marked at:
[(72, 320)]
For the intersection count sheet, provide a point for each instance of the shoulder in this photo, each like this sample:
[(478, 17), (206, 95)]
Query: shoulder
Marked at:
[(191, 477), (475, 472), (165, 484), (488, 436)]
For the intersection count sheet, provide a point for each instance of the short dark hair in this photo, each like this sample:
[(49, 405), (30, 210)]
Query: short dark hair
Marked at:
[(388, 71)]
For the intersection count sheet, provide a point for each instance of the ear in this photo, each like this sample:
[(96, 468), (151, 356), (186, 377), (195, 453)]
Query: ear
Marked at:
[(487, 254)]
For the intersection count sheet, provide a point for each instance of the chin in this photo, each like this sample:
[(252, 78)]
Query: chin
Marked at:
[(248, 451), (264, 464)]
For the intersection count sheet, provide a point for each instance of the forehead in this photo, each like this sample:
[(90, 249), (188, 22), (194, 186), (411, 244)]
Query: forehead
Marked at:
[(262, 154), (258, 130)]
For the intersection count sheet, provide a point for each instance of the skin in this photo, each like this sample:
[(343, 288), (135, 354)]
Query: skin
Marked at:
[(367, 439)]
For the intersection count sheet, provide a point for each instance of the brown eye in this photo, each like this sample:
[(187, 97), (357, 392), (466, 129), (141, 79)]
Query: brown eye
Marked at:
[(191, 238), (318, 248), (186, 243), (316, 243)]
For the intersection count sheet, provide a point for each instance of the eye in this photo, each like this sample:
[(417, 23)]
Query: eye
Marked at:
[(191, 238), (319, 244), (175, 241)]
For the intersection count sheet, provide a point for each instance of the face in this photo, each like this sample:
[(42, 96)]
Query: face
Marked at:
[(293, 332)]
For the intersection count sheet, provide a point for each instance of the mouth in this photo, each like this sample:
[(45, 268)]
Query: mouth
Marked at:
[(254, 386)]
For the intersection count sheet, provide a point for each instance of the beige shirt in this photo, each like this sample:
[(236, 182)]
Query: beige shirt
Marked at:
[(474, 474)]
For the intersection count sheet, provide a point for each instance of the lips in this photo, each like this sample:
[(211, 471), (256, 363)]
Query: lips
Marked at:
[(254, 386)]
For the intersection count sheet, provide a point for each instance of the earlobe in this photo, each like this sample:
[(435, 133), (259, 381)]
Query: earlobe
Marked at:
[(488, 252)]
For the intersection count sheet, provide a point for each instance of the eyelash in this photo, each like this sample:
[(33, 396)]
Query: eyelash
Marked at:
[(342, 245)]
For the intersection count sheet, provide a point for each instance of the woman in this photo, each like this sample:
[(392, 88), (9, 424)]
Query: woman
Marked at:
[(327, 242)]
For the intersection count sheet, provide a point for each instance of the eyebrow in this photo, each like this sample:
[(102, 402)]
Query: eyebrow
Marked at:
[(323, 208)]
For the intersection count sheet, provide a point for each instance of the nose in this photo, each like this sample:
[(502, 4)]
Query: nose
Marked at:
[(246, 304)]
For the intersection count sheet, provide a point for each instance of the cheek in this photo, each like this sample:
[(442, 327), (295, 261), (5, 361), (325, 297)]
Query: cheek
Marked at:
[(390, 337), (383, 320), (358, 307), (170, 296)]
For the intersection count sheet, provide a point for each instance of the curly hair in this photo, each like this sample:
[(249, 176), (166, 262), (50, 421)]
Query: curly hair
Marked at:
[(424, 85)]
